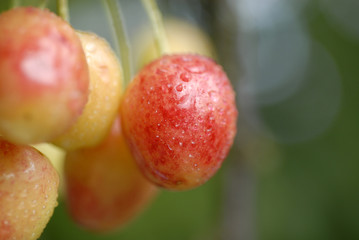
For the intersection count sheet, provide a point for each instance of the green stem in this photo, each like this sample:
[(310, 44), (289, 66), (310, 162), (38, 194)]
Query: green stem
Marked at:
[(121, 39), (15, 3), (63, 10), (157, 24)]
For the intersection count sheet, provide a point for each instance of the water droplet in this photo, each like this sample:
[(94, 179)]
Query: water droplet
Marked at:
[(180, 143), (161, 71), (148, 102), (177, 125), (169, 147), (214, 96), (185, 59), (179, 88), (158, 124), (195, 68), (190, 155), (184, 99), (195, 164), (157, 136), (185, 77), (193, 142)]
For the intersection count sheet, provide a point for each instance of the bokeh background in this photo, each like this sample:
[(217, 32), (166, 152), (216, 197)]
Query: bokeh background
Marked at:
[(293, 172)]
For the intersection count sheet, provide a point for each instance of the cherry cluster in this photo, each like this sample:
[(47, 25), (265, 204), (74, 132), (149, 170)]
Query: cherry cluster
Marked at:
[(171, 128)]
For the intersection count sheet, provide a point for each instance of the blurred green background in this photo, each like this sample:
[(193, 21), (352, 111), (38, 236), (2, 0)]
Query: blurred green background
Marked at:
[(293, 172)]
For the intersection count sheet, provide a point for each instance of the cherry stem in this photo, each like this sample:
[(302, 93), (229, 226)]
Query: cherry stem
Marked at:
[(63, 10), (157, 24), (117, 21)]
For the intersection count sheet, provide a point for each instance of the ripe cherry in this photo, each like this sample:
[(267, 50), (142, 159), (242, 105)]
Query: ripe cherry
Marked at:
[(105, 189), (28, 191), (43, 75), (179, 118), (105, 89)]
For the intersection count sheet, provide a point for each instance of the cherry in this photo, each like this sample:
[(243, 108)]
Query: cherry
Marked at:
[(179, 118), (105, 189), (105, 88), (28, 191), (43, 75)]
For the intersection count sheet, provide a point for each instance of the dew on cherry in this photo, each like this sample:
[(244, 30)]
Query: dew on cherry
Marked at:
[(185, 77), (191, 107), (179, 87), (169, 147), (195, 68), (184, 99)]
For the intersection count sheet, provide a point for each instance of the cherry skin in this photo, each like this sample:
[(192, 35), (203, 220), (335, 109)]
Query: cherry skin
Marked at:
[(105, 189), (105, 89), (56, 156), (43, 75), (28, 191), (179, 118)]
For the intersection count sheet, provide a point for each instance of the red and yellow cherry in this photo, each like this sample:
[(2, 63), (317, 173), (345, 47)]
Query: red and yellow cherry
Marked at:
[(56, 156), (179, 118), (105, 189), (104, 98), (43, 75), (28, 191)]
